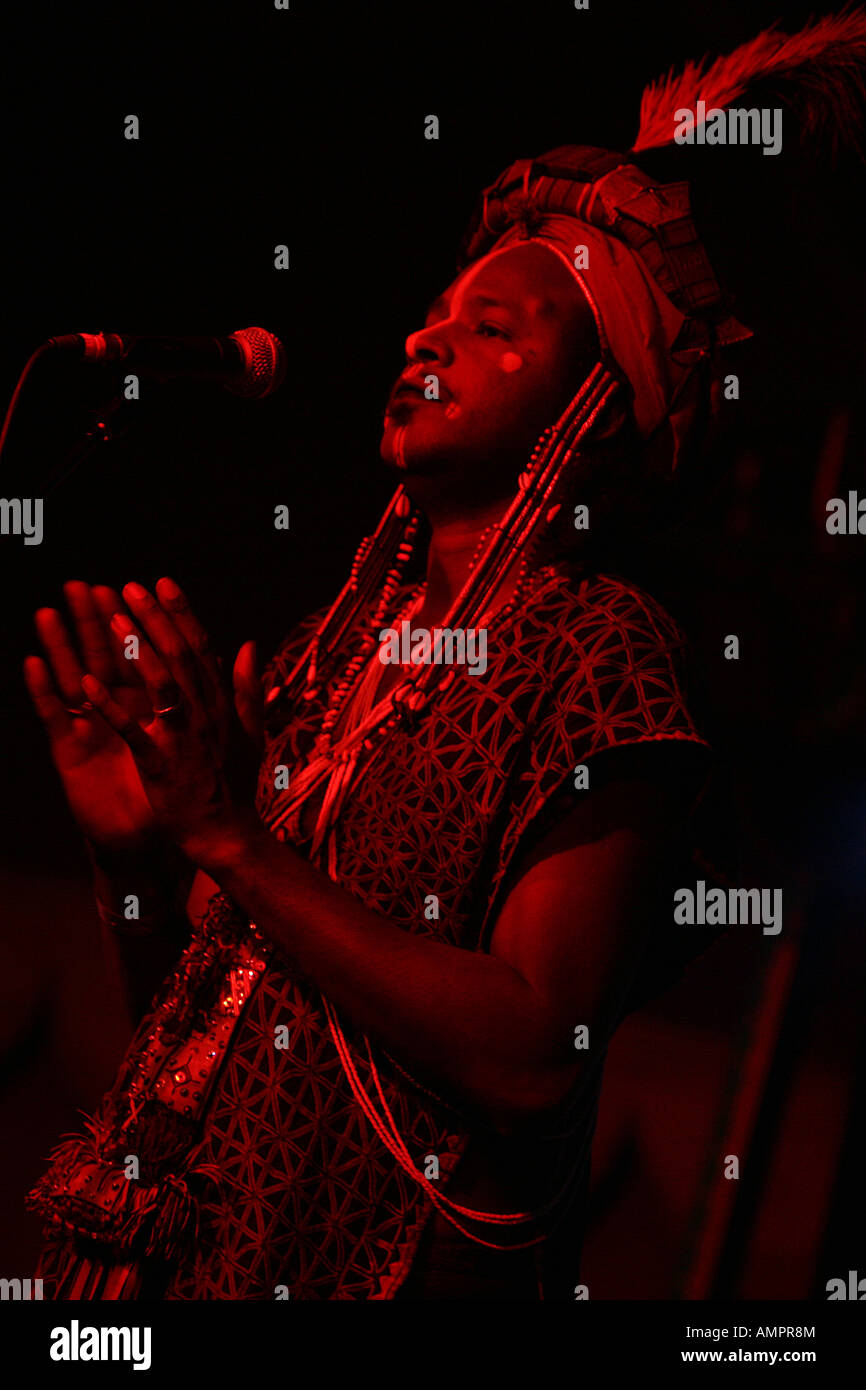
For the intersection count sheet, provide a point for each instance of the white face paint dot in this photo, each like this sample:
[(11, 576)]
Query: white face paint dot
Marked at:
[(511, 361)]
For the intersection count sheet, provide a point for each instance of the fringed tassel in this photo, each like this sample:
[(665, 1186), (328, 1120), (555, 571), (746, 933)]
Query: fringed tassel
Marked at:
[(81, 1279), (86, 1199), (176, 1227), (122, 1281)]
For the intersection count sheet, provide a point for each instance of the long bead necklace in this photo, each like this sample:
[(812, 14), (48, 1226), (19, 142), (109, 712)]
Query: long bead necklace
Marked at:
[(403, 698)]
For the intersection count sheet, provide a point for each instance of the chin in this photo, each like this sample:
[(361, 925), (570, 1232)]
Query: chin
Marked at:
[(410, 455), (418, 469)]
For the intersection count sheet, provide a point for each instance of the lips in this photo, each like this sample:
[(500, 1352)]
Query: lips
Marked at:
[(412, 387)]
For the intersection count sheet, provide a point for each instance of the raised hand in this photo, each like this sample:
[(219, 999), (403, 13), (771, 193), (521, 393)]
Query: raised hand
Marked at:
[(98, 772), (180, 747)]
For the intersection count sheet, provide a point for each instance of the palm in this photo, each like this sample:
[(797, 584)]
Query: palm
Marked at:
[(97, 770), (96, 767), (100, 778)]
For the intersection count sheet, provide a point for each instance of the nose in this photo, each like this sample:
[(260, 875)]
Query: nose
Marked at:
[(429, 345)]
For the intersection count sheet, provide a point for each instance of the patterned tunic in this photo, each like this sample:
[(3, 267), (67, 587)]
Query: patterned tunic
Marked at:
[(309, 1197)]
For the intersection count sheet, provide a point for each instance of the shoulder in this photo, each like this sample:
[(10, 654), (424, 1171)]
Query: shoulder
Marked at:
[(612, 744), (613, 666), (589, 618)]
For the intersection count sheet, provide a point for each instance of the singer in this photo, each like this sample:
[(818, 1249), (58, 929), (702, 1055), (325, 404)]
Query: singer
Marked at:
[(372, 1066)]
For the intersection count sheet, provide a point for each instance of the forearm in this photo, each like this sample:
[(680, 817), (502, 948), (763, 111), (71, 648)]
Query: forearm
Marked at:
[(462, 1017), (140, 950)]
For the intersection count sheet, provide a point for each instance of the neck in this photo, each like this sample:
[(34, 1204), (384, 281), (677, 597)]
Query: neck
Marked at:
[(454, 542)]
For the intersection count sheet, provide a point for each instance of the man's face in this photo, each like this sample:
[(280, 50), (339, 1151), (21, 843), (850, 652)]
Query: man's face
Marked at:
[(507, 344)]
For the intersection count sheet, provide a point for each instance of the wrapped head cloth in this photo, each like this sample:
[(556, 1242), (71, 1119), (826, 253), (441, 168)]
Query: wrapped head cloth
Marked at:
[(632, 247)]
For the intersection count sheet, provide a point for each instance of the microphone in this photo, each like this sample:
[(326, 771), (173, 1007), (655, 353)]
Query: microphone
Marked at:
[(250, 362)]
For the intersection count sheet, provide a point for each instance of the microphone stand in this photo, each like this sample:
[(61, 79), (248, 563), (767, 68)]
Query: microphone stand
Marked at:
[(108, 422)]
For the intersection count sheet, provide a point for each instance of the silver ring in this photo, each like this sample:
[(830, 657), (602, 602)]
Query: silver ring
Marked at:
[(81, 710), (169, 709)]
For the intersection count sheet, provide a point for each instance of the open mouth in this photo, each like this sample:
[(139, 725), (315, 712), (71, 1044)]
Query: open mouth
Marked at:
[(401, 404), (406, 398), (409, 394)]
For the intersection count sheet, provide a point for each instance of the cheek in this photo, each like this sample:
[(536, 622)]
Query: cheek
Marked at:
[(511, 361)]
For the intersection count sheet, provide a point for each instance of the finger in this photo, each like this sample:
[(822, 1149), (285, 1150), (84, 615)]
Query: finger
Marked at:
[(143, 749), (162, 688), (61, 654), (175, 602), (168, 643), (42, 691), (109, 602), (249, 701), (93, 643)]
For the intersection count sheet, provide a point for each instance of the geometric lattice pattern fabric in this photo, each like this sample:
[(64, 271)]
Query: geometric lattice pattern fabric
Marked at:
[(315, 1200)]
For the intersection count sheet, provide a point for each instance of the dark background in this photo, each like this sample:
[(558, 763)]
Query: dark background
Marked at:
[(306, 127)]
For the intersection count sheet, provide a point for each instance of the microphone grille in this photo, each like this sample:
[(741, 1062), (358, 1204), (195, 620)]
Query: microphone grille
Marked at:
[(264, 363)]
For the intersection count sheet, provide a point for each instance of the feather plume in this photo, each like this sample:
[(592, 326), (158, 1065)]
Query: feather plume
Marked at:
[(820, 72)]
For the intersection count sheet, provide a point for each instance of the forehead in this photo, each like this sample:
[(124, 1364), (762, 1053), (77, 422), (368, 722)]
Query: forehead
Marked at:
[(527, 278)]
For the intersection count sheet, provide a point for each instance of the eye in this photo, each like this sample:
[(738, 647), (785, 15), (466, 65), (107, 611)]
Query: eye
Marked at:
[(491, 330)]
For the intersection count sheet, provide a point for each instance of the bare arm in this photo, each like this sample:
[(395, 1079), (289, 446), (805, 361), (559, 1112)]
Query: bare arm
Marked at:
[(498, 1028), (141, 953)]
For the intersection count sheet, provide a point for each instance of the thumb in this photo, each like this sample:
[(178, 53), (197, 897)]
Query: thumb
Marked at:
[(248, 692)]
